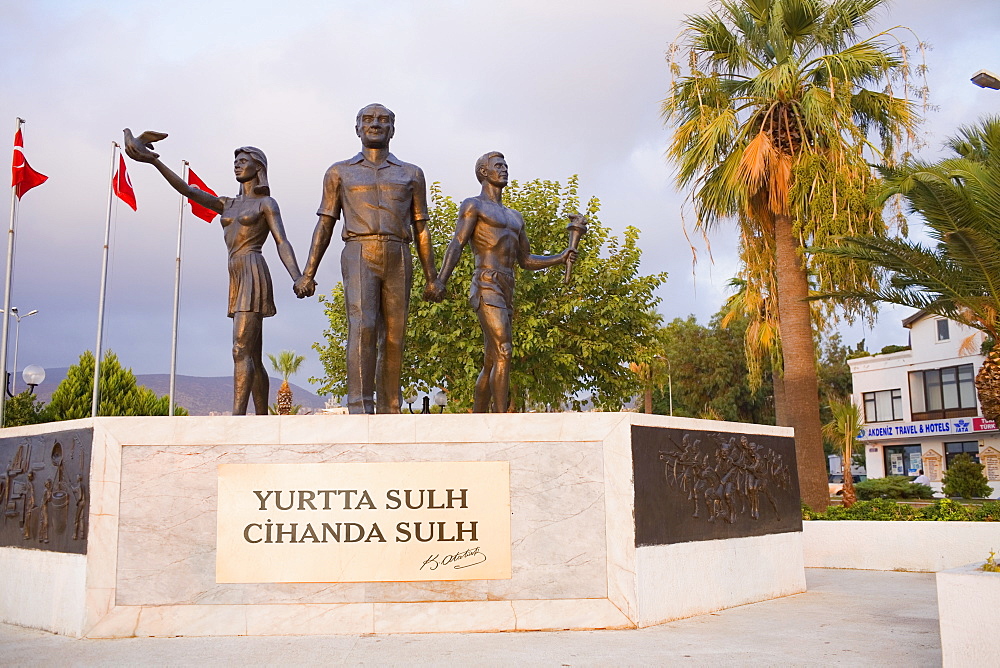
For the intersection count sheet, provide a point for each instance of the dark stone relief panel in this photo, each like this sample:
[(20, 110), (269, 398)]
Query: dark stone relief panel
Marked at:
[(45, 491), (703, 485)]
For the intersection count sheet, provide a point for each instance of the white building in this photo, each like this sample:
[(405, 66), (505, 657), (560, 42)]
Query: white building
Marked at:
[(920, 405)]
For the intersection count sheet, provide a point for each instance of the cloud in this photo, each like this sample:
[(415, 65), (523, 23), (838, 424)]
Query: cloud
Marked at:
[(560, 87)]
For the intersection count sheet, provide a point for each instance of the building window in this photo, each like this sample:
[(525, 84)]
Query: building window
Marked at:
[(936, 394), (942, 330), (883, 406), (953, 450), (902, 459)]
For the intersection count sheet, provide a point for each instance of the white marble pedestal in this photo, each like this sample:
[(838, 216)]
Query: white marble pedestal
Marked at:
[(149, 568)]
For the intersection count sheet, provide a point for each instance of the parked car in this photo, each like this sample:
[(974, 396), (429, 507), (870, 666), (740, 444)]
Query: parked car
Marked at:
[(836, 483)]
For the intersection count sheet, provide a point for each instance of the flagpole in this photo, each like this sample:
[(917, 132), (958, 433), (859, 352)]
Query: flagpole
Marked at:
[(6, 286), (104, 285), (177, 293)]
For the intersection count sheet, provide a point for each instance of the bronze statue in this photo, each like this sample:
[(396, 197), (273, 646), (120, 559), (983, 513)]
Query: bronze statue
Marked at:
[(383, 201), (247, 220), (498, 240)]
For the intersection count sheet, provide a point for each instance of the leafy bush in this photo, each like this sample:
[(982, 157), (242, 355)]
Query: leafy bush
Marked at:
[(892, 487), (886, 510), (946, 510), (23, 409), (964, 478), (988, 512)]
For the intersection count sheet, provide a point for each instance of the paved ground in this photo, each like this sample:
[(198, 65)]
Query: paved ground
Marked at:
[(846, 618)]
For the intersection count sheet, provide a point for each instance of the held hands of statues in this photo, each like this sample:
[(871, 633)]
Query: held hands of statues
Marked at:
[(304, 287), (140, 148), (435, 291)]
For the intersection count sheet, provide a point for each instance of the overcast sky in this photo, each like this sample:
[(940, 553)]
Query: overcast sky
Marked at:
[(561, 87)]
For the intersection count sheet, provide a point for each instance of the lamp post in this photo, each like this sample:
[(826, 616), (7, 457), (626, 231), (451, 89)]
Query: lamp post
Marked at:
[(17, 333), (986, 79), (33, 376), (440, 400), (410, 399)]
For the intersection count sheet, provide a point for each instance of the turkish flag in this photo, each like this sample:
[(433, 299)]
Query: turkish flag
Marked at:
[(122, 184), (198, 210), (24, 177)]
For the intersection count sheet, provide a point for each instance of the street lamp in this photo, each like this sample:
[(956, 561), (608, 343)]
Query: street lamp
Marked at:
[(33, 376), (17, 333), (409, 399), (986, 79), (441, 399)]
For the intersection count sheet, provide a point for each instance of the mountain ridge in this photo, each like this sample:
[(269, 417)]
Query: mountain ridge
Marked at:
[(200, 395)]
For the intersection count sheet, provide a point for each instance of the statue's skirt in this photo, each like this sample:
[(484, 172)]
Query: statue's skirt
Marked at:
[(250, 285)]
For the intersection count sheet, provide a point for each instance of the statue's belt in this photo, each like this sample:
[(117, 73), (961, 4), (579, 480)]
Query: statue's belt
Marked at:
[(376, 237)]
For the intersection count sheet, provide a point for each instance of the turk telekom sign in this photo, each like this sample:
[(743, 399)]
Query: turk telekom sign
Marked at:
[(363, 522), (953, 426)]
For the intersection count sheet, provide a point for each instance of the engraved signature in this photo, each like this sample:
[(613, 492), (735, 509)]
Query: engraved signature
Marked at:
[(436, 560)]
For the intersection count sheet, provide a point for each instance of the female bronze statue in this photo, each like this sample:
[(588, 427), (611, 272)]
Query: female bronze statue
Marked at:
[(247, 220)]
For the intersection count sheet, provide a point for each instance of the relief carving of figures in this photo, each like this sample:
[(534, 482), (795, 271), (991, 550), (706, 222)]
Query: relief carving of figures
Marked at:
[(50, 516), (728, 480), (43, 526), (29, 506), (80, 494)]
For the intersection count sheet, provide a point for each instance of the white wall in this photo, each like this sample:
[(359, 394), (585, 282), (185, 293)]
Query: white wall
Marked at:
[(897, 546)]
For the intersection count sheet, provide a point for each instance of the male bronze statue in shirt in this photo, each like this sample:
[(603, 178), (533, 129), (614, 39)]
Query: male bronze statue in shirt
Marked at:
[(383, 201)]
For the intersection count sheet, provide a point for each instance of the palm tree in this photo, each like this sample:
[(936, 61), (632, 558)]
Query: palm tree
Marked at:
[(959, 278), (286, 363), (772, 119), (843, 430), (652, 375)]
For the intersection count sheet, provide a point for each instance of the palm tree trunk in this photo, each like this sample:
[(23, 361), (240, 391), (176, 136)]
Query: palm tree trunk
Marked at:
[(780, 399), (648, 399), (849, 497), (801, 385)]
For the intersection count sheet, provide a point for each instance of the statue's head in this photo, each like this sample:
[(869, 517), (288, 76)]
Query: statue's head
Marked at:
[(376, 125), (493, 168), (250, 163)]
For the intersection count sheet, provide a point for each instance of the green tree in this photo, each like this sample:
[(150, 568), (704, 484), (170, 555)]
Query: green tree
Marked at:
[(708, 373), (23, 409), (843, 428), (964, 478), (286, 363), (959, 277), (119, 392), (835, 381), (568, 339), (773, 118)]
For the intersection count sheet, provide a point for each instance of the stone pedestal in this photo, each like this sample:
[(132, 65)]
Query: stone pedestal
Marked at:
[(617, 520)]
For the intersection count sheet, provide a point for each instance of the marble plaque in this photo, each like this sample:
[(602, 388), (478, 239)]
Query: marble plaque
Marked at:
[(363, 522)]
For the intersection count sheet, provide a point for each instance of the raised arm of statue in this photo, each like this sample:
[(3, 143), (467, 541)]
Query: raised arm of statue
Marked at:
[(140, 149)]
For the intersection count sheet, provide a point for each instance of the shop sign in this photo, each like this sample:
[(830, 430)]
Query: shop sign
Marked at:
[(876, 432)]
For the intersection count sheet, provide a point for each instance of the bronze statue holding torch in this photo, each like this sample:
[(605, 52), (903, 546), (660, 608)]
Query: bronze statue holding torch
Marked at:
[(499, 241)]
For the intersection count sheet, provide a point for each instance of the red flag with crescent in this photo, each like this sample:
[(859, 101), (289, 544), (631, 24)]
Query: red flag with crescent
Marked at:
[(24, 177), (122, 184), (198, 210)]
